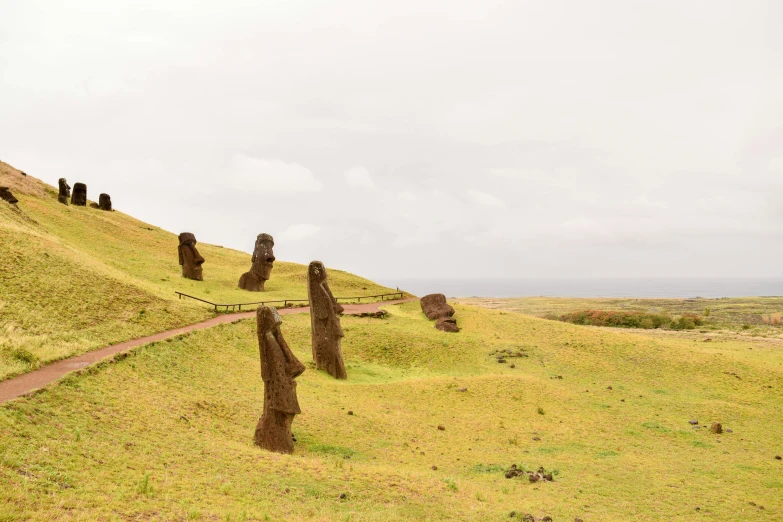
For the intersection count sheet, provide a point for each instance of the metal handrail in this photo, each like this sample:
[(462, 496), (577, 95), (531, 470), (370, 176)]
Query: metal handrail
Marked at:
[(238, 306)]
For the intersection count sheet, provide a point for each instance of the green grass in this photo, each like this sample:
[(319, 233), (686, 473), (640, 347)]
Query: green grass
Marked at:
[(75, 278), (166, 433)]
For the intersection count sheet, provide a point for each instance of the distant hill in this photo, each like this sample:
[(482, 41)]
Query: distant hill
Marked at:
[(77, 278)]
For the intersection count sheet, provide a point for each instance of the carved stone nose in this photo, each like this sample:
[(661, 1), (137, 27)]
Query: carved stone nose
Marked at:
[(270, 259)]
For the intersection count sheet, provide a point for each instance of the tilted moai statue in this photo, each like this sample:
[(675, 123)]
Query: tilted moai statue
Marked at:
[(261, 269), (279, 368), (5, 195), (65, 192), (436, 308), (325, 322), (104, 202), (189, 257), (79, 196)]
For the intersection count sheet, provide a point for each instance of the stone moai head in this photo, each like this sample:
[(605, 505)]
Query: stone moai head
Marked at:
[(65, 192), (79, 196), (279, 368), (325, 323), (5, 195), (436, 308), (189, 257), (104, 202), (263, 256), (316, 272)]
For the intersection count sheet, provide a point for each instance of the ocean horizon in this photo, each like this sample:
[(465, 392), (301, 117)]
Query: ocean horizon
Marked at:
[(593, 287)]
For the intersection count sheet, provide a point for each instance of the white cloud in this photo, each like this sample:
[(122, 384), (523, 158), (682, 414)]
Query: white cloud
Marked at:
[(299, 231), (406, 196), (482, 198), (272, 175), (358, 177)]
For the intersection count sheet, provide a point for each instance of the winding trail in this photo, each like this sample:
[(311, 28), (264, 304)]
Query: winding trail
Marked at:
[(28, 382)]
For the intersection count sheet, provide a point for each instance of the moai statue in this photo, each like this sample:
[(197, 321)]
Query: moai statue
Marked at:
[(79, 196), (261, 269), (325, 322), (189, 257), (5, 195), (279, 368), (65, 192), (104, 202), (436, 308)]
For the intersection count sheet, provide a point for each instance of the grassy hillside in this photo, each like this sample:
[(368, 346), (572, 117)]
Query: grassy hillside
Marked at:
[(77, 278), (166, 433)]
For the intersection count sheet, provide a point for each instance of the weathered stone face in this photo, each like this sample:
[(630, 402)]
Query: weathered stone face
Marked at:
[(262, 262), (79, 196), (325, 323), (104, 202), (5, 195), (189, 257), (279, 368), (65, 192), (436, 308)]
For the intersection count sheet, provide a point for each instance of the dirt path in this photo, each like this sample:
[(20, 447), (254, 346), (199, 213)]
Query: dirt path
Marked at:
[(23, 384)]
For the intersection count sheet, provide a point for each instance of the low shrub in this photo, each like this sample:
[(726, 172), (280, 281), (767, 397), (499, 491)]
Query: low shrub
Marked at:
[(617, 319)]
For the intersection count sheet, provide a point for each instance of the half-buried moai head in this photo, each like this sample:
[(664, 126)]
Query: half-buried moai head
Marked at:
[(279, 368), (79, 196), (263, 260), (65, 192), (104, 202), (436, 308), (189, 257), (325, 323), (5, 195)]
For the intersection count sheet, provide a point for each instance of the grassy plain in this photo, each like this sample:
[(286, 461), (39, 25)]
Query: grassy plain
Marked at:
[(166, 433), (744, 316), (75, 278)]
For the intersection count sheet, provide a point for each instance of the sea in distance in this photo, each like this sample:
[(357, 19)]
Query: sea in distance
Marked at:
[(595, 287)]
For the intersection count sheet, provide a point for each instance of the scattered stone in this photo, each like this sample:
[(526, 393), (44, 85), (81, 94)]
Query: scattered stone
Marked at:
[(693, 422), (104, 202), (512, 366), (716, 428), (380, 314), (778, 457), (350, 412), (279, 368), (463, 389), (434, 468), (536, 438), (707, 340), (608, 387), (5, 195), (501, 360), (577, 520), (728, 430), (528, 518), (437, 309), (541, 475), (189, 257), (261, 265), (512, 514), (325, 323), (441, 427), (343, 496), (546, 518), (79, 195)]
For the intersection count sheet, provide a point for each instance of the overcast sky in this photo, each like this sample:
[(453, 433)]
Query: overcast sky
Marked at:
[(417, 137)]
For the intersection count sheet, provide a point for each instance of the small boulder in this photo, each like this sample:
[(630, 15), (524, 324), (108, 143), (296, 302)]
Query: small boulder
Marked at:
[(716, 428)]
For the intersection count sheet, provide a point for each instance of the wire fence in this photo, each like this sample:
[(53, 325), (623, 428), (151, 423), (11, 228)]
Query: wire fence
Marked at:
[(237, 307)]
